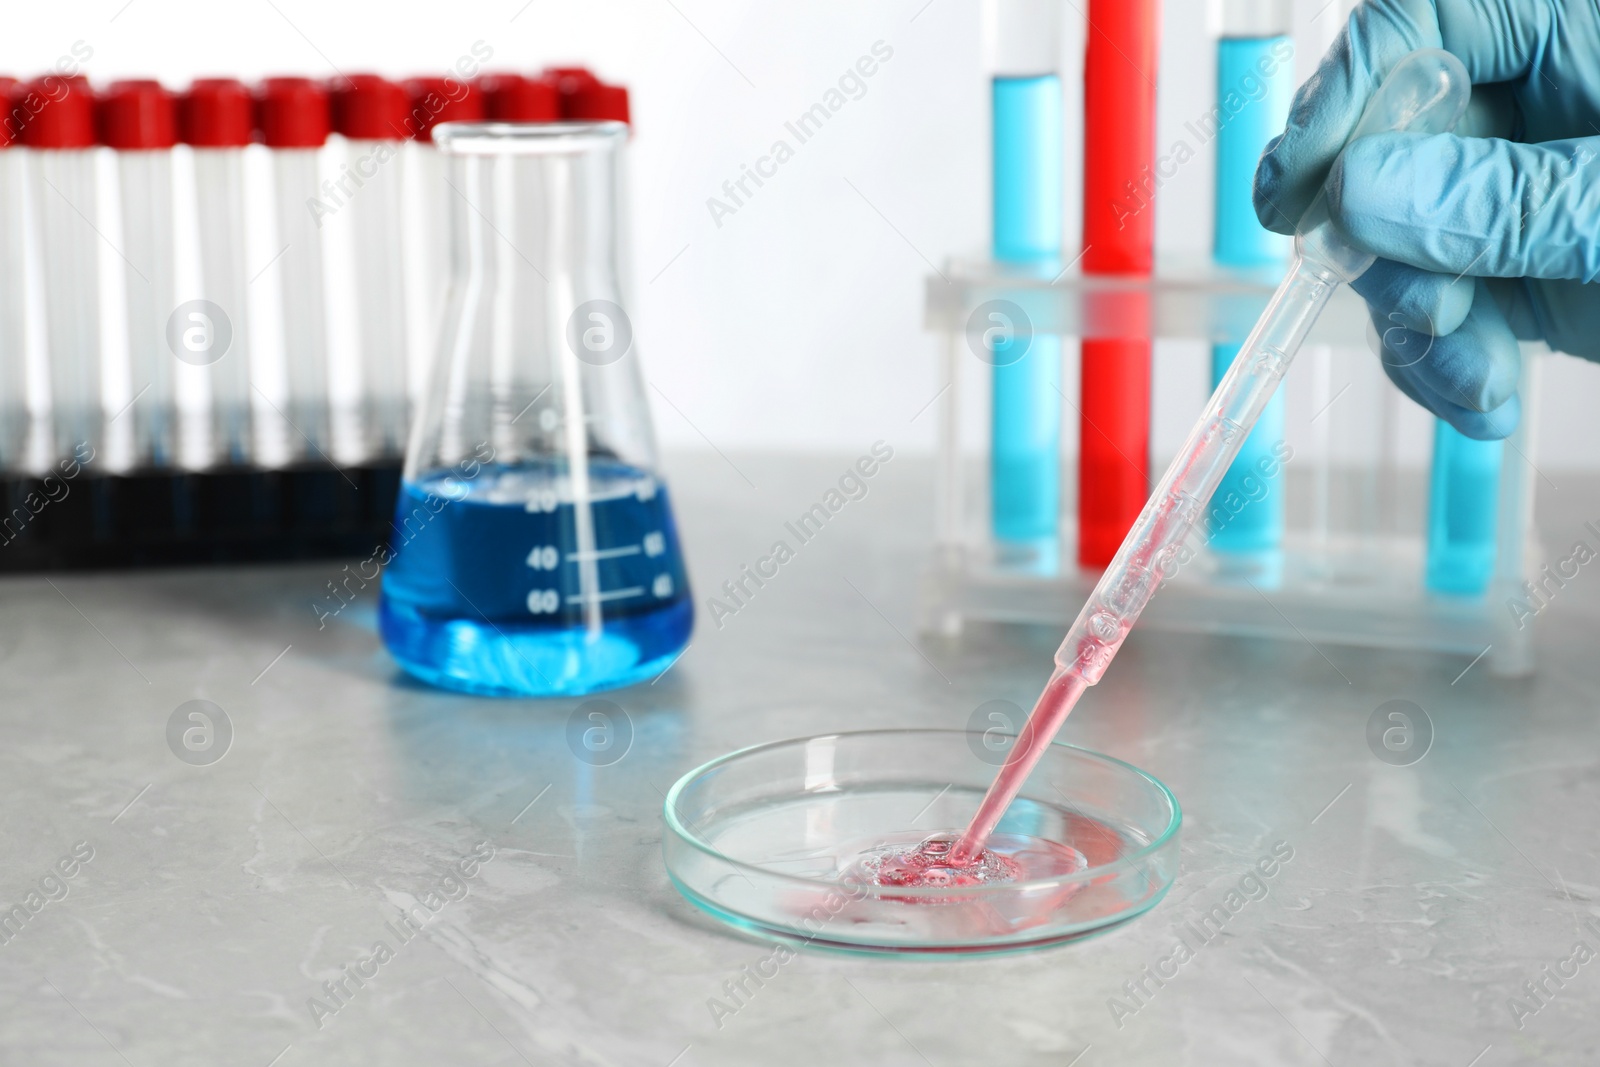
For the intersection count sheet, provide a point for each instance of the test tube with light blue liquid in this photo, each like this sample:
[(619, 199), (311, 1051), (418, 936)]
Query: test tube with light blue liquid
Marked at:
[(1463, 511), (1255, 83), (1028, 174)]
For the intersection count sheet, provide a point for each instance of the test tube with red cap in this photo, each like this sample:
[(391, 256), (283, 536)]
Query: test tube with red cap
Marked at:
[(371, 113), (293, 122), (569, 80), (13, 290), (512, 97), (138, 121), (216, 121), (434, 101), (585, 98), (1119, 97), (521, 363), (54, 118)]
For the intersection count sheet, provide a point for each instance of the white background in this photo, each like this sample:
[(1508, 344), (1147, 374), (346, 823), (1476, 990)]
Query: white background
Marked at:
[(795, 324)]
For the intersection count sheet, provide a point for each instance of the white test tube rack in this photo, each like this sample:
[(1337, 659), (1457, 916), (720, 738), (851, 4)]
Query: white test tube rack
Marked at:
[(1351, 568)]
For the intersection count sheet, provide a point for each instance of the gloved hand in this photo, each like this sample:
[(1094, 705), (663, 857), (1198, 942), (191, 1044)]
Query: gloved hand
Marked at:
[(1483, 236)]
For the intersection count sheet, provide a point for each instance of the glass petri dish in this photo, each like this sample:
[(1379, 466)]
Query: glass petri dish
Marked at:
[(767, 839)]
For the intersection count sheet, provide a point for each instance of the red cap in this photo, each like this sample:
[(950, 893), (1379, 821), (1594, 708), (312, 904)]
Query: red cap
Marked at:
[(585, 97), (598, 101), (436, 100), (369, 108), (292, 113), (8, 137), (514, 98), (137, 113), (569, 80), (54, 112), (216, 113)]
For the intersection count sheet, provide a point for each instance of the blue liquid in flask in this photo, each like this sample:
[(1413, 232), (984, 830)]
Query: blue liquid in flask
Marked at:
[(491, 592)]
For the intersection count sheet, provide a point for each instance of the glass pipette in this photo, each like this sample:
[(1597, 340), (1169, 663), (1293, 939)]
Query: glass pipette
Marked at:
[(1426, 92)]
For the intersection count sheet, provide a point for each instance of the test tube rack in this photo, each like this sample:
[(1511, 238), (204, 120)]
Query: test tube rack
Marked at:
[(1345, 575), (166, 518)]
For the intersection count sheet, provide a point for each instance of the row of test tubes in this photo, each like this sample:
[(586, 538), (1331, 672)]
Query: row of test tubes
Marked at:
[(1028, 176), (360, 143), (1256, 80)]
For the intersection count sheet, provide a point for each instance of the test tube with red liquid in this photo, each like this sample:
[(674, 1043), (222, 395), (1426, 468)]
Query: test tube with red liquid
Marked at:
[(1118, 238)]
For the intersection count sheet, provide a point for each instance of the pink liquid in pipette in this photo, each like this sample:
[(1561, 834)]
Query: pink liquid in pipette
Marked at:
[(936, 861), (1049, 712), (1131, 579), (944, 860)]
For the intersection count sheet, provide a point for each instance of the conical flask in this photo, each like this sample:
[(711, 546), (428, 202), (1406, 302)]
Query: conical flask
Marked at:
[(534, 549)]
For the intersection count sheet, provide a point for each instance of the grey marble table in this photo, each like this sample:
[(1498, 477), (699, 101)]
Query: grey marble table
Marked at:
[(212, 914)]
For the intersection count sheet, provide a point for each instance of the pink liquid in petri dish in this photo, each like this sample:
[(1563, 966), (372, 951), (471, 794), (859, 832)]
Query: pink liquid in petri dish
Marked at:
[(924, 861), (980, 856)]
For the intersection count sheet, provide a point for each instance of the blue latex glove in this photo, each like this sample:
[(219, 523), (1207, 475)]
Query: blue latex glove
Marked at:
[(1483, 236)]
